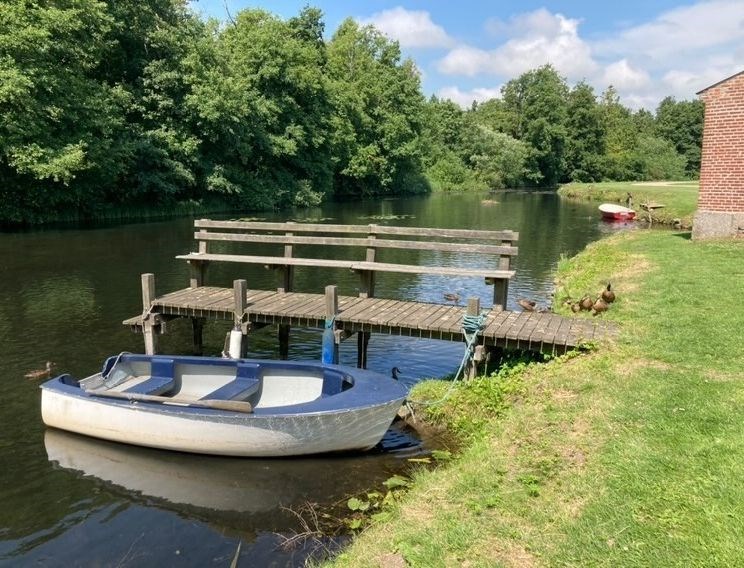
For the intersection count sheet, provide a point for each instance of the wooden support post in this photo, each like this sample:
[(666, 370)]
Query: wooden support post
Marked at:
[(285, 285), (367, 277), (362, 344), (283, 341), (501, 285), (198, 268), (198, 271), (240, 299), (471, 370), (329, 352), (197, 325), (366, 290), (148, 319), (240, 303)]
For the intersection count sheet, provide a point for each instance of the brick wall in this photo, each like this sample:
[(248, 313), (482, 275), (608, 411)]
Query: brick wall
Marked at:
[(722, 168)]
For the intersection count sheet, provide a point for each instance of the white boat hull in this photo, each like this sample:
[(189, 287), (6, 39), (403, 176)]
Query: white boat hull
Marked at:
[(355, 419)]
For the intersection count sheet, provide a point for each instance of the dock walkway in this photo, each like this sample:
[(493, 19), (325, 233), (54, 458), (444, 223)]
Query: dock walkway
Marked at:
[(533, 331)]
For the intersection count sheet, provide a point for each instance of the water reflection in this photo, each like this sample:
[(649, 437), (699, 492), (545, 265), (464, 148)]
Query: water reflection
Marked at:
[(215, 483)]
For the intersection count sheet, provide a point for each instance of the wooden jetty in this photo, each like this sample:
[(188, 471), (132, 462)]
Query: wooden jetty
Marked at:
[(363, 314)]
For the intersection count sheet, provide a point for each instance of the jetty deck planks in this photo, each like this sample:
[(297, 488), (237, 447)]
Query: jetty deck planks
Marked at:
[(533, 331)]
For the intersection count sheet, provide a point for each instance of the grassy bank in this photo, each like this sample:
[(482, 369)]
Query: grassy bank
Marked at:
[(628, 456), (679, 197)]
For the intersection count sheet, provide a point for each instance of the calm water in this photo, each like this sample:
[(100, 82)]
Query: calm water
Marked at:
[(69, 501)]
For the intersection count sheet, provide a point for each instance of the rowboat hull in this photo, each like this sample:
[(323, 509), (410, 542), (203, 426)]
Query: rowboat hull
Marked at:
[(352, 419), (612, 212)]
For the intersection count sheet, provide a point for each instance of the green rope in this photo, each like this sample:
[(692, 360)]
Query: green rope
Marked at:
[(471, 327)]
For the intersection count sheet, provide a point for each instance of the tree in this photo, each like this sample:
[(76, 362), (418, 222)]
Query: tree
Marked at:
[(585, 146), (655, 159), (621, 137), (260, 101), (681, 123), (536, 105), (57, 124), (497, 159), (378, 109)]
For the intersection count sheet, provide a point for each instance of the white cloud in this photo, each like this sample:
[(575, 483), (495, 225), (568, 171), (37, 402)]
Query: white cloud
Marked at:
[(540, 37), (412, 28), (466, 98), (623, 76), (678, 33)]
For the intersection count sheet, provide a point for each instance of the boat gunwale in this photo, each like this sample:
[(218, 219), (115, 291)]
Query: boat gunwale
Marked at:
[(369, 390)]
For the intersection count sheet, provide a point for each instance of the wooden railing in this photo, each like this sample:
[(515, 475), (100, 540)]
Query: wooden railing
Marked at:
[(372, 239)]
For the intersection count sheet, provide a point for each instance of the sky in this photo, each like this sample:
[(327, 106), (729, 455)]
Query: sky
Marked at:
[(467, 50)]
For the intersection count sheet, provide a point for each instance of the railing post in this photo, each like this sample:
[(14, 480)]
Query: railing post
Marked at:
[(366, 290), (501, 285), (148, 323), (198, 268), (240, 303), (329, 353), (285, 285)]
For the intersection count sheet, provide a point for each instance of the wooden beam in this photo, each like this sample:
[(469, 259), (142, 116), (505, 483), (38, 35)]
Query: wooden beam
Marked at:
[(148, 322), (290, 239), (381, 230), (329, 352), (240, 300)]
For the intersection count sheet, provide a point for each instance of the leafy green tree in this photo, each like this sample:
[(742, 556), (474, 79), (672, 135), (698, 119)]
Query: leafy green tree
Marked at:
[(59, 128), (681, 123), (260, 102), (657, 159), (536, 105), (497, 159), (585, 146), (378, 110), (621, 137)]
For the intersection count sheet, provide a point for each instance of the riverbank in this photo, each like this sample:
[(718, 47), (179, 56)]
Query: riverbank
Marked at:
[(629, 455), (678, 197)]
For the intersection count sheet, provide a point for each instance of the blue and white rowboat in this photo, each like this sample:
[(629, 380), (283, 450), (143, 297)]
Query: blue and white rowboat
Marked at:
[(238, 407)]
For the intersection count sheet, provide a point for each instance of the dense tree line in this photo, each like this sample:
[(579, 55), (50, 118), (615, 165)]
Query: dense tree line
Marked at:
[(111, 103), (549, 133)]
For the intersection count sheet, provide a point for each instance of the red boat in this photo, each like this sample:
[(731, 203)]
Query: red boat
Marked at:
[(612, 212)]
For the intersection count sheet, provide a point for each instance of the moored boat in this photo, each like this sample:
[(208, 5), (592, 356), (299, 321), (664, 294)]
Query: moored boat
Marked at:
[(613, 212), (239, 407)]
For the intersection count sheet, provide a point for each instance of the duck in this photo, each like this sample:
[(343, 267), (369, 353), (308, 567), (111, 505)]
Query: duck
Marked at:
[(395, 371), (575, 307), (452, 297), (600, 306), (527, 305), (586, 303), (608, 295), (41, 373)]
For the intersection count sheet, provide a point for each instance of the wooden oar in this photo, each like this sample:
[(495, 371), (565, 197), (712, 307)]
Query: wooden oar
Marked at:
[(233, 405)]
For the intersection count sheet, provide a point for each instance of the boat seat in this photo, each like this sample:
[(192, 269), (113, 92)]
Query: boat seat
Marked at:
[(245, 384), (162, 378)]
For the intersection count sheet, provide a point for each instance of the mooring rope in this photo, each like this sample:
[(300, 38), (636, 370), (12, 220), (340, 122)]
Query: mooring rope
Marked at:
[(472, 325)]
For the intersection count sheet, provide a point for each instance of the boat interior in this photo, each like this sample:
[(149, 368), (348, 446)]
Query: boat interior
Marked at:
[(263, 384)]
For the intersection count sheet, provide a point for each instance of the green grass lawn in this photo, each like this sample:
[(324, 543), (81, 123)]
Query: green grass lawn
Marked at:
[(679, 197), (632, 455)]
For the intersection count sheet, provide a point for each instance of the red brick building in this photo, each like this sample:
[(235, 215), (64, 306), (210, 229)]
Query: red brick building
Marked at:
[(720, 210)]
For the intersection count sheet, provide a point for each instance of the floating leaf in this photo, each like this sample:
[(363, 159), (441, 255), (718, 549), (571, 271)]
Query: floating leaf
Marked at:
[(395, 482), (355, 524)]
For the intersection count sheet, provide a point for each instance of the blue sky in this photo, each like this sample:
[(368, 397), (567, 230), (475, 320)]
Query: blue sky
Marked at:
[(466, 50)]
